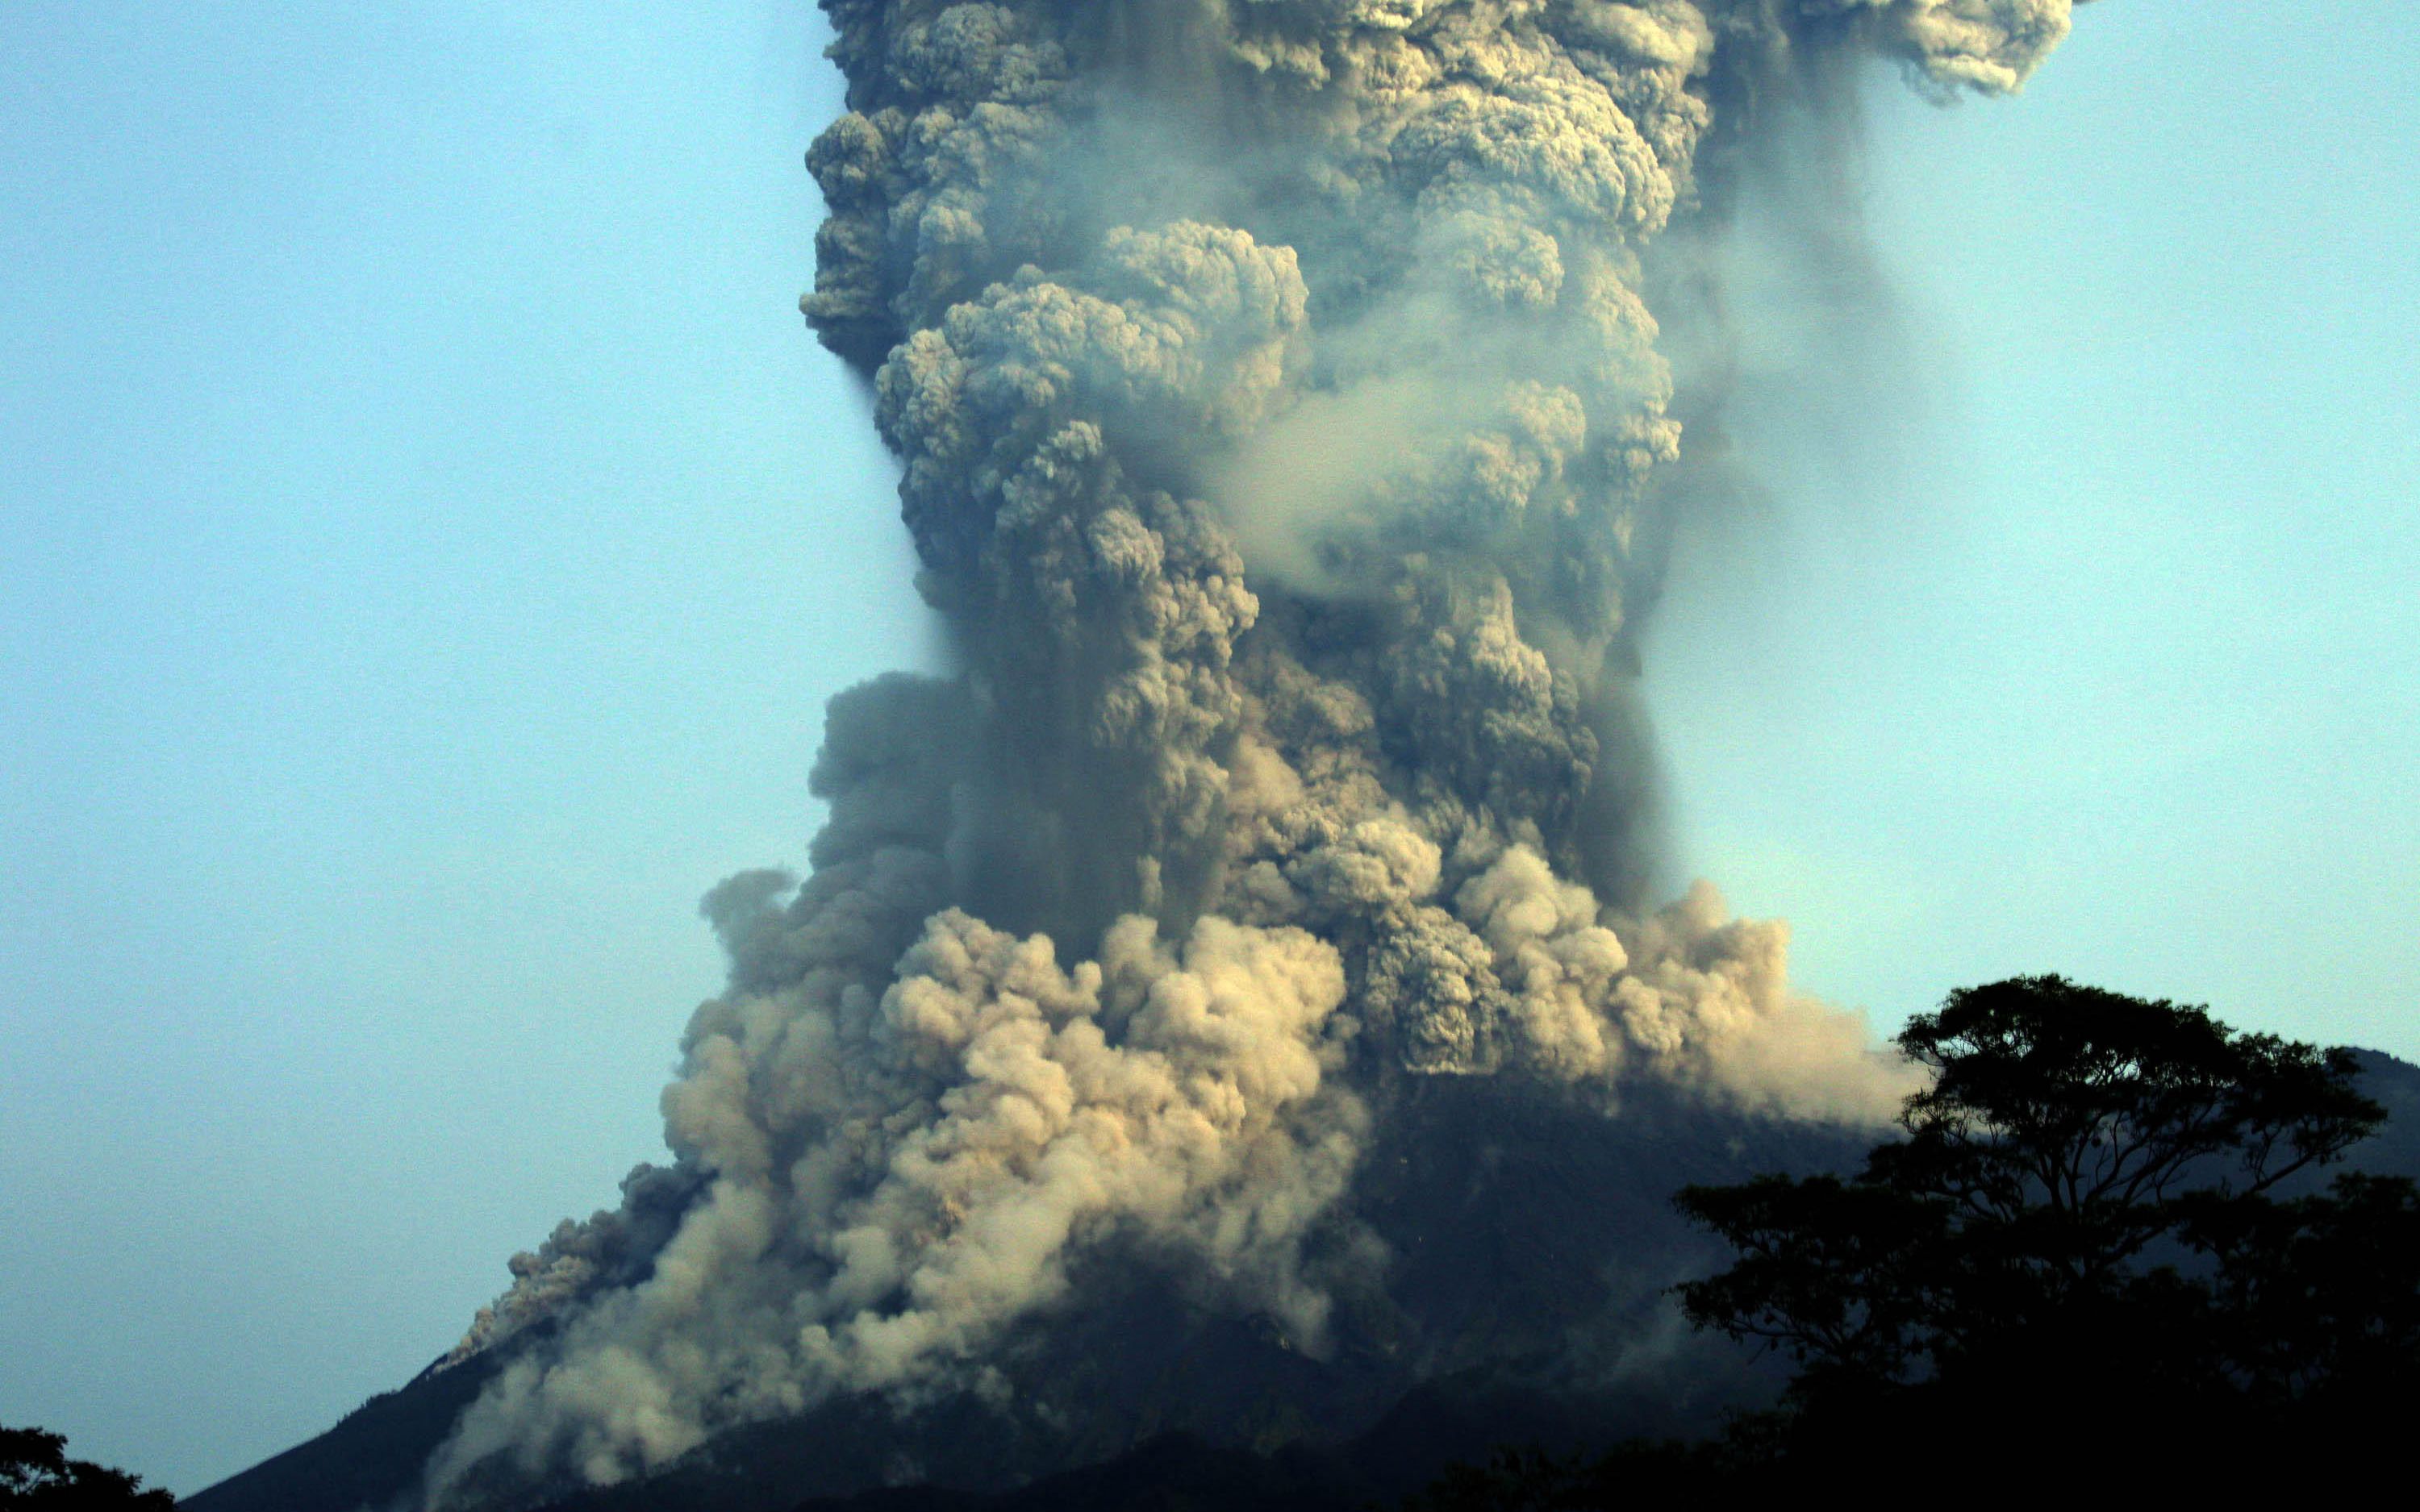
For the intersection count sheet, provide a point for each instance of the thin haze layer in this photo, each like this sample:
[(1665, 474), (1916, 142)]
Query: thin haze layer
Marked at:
[(1285, 436)]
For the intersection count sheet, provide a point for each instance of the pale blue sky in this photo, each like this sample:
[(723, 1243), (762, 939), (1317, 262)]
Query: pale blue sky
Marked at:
[(2118, 673), (427, 536)]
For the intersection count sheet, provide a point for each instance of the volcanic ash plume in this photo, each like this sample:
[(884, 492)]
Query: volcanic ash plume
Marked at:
[(1283, 434)]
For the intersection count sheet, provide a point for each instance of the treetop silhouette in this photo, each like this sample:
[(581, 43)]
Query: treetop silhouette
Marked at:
[(37, 1476), (2094, 1188)]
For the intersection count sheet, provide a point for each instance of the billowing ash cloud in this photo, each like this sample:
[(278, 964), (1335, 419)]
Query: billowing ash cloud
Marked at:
[(1282, 425)]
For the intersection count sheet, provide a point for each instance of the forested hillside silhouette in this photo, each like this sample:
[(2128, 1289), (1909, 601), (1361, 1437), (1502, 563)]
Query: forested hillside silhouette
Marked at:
[(2098, 1259), (37, 1476), (2117, 1247)]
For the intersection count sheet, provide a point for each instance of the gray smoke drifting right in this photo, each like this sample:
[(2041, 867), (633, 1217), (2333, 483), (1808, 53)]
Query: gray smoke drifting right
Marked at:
[(1290, 452)]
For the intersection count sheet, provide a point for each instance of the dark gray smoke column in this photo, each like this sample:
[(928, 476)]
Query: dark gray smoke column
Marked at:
[(1283, 422)]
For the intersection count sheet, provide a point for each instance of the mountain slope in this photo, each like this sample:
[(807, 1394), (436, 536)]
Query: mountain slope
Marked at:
[(1529, 1242)]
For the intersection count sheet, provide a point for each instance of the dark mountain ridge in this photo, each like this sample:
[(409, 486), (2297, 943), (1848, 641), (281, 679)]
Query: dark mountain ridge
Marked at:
[(1530, 1243)]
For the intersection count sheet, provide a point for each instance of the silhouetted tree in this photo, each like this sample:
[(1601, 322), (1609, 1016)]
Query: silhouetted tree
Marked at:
[(37, 1476), (2084, 1209), (2080, 1268)]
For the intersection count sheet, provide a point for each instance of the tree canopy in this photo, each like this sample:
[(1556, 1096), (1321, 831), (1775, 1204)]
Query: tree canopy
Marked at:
[(37, 1476), (2096, 1259), (2098, 1225)]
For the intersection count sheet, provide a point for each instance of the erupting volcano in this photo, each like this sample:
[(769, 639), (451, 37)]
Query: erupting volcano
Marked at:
[(1232, 997)]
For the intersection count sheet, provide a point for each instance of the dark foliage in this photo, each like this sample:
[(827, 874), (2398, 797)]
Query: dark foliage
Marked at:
[(2089, 1177), (37, 1476), (2080, 1247), (1503, 1216), (2096, 1265)]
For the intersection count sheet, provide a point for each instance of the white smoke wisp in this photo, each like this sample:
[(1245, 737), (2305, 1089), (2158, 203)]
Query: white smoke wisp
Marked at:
[(1281, 418)]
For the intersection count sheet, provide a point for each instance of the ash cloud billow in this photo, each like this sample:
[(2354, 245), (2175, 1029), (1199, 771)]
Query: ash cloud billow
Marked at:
[(1289, 445)]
